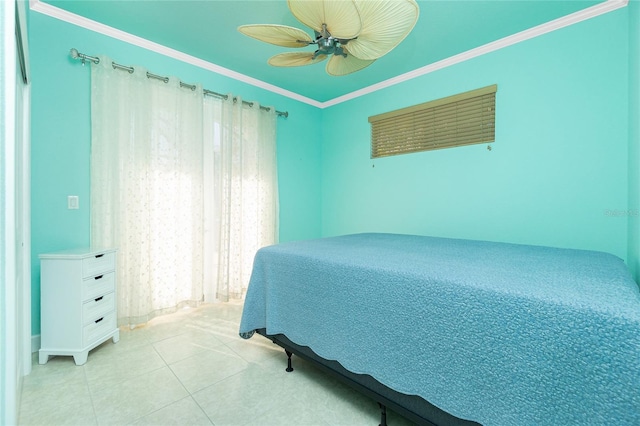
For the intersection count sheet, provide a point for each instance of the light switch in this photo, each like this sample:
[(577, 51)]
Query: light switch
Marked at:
[(73, 202)]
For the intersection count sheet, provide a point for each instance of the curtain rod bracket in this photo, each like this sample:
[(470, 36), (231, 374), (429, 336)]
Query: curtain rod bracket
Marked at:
[(75, 55)]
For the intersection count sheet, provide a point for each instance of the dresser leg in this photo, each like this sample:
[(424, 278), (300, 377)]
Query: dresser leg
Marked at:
[(81, 358), (116, 337), (43, 357)]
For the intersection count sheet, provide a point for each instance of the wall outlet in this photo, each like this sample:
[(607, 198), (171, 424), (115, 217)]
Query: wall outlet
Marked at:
[(73, 202)]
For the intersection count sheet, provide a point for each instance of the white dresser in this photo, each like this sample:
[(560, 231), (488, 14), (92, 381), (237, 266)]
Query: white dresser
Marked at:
[(77, 302)]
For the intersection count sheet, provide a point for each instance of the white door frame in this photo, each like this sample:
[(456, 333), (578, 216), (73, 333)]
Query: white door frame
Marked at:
[(23, 246), (15, 281)]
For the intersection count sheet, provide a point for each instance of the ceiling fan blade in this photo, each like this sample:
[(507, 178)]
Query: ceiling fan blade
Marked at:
[(385, 25), (341, 17), (280, 35), (295, 59), (339, 65)]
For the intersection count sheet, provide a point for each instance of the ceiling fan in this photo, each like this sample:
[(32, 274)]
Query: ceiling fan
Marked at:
[(354, 33)]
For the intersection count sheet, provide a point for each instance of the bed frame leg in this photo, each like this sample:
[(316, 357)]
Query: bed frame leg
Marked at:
[(289, 367), (383, 415)]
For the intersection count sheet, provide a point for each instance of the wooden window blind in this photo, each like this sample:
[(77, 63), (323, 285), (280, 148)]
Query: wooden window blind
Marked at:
[(462, 119)]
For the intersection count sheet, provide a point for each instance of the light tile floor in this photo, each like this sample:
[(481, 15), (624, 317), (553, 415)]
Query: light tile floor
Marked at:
[(190, 368)]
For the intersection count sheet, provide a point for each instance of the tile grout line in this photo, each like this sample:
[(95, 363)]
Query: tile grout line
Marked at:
[(189, 394), (93, 406)]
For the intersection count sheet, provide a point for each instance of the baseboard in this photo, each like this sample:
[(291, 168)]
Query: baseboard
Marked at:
[(35, 343)]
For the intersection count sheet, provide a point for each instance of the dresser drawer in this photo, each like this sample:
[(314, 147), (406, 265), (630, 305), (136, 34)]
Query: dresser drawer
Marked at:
[(93, 309), (97, 264), (98, 328), (97, 286)]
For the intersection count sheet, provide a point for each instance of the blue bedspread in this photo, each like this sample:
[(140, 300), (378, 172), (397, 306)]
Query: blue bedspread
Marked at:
[(502, 334)]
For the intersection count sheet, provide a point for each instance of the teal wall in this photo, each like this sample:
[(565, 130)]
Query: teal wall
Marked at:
[(634, 138), (61, 138), (557, 173)]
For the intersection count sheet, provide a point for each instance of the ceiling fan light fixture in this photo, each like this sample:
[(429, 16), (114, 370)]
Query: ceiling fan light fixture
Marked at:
[(340, 65), (353, 32)]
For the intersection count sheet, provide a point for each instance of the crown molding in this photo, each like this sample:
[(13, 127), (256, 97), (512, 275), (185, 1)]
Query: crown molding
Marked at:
[(565, 21), (556, 24), (72, 18)]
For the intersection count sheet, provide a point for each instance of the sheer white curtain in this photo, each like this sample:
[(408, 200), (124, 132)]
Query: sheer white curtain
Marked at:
[(242, 210), (184, 185), (147, 188)]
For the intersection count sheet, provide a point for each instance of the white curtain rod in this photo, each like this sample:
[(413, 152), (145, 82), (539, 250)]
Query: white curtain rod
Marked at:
[(77, 55)]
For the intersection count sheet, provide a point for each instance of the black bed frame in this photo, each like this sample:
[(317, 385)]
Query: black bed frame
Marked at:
[(412, 407)]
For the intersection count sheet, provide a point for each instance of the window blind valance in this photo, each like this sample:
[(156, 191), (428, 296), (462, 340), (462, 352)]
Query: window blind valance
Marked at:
[(462, 119)]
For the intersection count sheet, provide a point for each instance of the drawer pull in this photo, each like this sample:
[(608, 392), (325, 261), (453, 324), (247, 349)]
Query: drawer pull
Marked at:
[(98, 299), (98, 277), (99, 255), (98, 320)]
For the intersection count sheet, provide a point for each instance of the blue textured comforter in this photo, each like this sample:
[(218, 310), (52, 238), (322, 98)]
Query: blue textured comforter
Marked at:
[(498, 333)]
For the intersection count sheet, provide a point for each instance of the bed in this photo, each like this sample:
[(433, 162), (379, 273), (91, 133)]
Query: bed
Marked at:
[(449, 331)]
